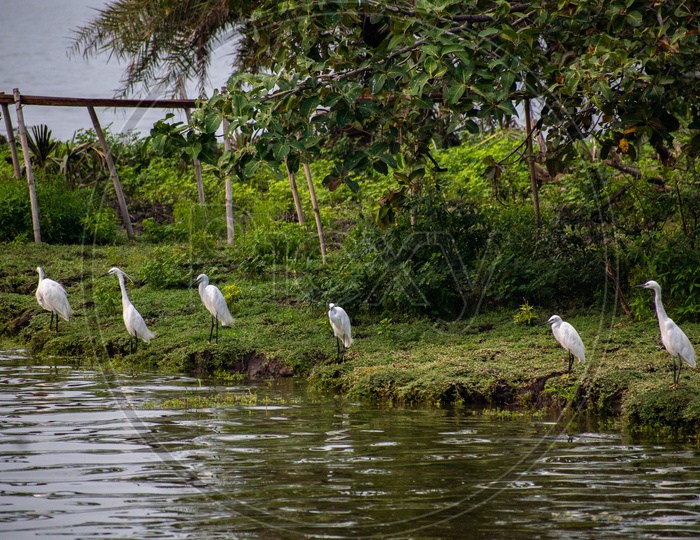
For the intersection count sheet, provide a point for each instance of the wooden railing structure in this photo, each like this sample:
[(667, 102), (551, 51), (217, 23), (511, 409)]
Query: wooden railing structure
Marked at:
[(20, 101)]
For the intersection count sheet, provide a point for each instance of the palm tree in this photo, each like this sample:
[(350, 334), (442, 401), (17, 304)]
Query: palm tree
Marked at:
[(165, 42), (42, 145), (162, 41)]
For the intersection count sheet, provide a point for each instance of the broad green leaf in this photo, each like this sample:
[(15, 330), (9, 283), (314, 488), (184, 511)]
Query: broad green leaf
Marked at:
[(280, 151), (193, 150), (431, 50), (251, 168), (352, 184), (309, 105), (634, 18), (455, 92), (376, 83), (212, 122), (488, 31), (430, 65), (381, 167)]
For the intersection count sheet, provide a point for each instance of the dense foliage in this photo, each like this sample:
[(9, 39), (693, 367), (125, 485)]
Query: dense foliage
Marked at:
[(463, 243), (408, 76)]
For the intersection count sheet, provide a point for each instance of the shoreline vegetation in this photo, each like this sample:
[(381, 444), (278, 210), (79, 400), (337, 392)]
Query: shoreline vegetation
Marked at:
[(487, 360), (444, 285)]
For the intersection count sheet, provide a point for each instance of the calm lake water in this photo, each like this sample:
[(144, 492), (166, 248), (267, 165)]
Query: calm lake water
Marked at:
[(36, 36), (85, 454)]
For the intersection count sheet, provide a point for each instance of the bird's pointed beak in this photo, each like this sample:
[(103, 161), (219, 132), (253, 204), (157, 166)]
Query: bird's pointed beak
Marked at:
[(545, 323), (105, 274), (641, 286)]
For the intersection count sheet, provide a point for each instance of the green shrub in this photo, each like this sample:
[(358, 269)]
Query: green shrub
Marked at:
[(167, 267), (421, 265), (65, 216), (674, 261)]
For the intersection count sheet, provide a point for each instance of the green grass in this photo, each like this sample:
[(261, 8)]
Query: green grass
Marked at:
[(489, 360)]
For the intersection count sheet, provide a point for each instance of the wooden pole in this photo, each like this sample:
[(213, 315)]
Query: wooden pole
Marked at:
[(317, 214), (11, 138), (295, 193), (531, 164), (229, 190), (28, 165), (195, 162), (113, 172), (101, 102)]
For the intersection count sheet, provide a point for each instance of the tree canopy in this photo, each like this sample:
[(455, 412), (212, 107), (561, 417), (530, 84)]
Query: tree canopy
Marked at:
[(405, 75)]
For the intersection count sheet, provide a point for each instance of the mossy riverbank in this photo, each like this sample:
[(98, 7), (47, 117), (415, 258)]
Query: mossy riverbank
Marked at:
[(487, 360)]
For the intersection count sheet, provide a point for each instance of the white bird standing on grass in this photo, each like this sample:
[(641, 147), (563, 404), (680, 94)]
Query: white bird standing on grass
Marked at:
[(133, 320), (340, 322), (673, 338), (568, 337), (214, 301), (52, 297)]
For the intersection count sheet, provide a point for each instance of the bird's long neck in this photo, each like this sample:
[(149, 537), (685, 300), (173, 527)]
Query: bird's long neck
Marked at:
[(660, 311), (41, 274), (122, 286), (202, 285)]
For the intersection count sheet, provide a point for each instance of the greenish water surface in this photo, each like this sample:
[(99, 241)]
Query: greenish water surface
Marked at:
[(85, 454)]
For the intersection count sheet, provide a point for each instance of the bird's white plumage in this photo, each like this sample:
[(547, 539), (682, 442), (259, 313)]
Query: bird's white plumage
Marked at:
[(214, 300), (340, 322), (568, 337), (674, 339), (133, 320), (52, 296)]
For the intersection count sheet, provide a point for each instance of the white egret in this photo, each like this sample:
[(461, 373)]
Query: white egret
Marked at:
[(52, 297), (214, 301), (133, 320), (673, 338), (340, 322), (568, 337)]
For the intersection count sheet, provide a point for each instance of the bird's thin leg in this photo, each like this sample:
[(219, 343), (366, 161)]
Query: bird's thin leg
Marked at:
[(571, 361), (680, 366), (216, 322), (56, 323), (337, 342), (51, 321), (673, 358)]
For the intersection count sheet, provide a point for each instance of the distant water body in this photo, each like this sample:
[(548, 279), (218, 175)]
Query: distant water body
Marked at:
[(35, 38)]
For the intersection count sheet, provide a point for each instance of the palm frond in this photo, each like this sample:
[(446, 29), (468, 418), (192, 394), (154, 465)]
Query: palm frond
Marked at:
[(161, 41)]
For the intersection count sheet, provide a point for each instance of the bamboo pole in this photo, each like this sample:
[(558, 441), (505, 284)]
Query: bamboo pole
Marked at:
[(531, 164), (195, 162), (295, 193), (113, 173), (11, 138), (28, 165), (229, 189), (317, 214)]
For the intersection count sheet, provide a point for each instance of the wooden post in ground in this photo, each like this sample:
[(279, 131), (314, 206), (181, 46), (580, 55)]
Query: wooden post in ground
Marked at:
[(113, 173), (531, 164), (11, 139), (295, 193), (28, 165), (195, 162), (229, 189), (317, 214)]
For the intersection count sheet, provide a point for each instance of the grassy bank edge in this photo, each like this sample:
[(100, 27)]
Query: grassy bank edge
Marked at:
[(398, 360)]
